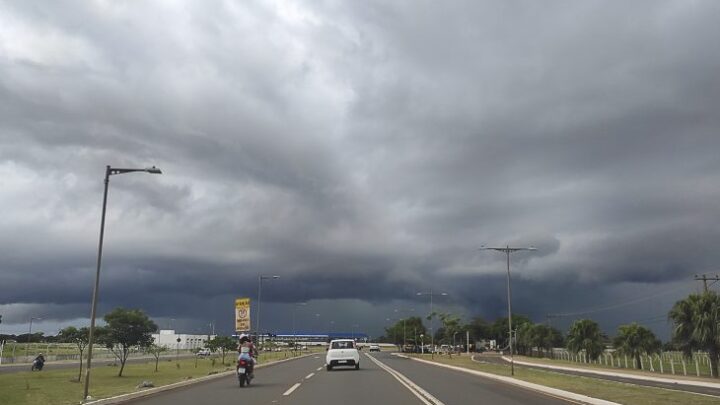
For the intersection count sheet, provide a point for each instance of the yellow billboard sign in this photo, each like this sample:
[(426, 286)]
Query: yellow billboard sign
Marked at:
[(242, 314)]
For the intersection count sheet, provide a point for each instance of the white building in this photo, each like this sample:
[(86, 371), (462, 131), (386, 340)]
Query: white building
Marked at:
[(169, 339)]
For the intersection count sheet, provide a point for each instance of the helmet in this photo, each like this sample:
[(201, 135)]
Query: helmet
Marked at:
[(242, 335)]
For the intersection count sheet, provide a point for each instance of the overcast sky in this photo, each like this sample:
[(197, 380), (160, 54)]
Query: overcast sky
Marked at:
[(363, 151)]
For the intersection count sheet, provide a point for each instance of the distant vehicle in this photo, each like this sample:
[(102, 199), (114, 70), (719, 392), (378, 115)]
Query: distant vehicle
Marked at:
[(204, 352), (374, 348), (342, 352)]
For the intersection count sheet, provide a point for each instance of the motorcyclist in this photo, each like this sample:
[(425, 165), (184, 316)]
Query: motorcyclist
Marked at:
[(39, 361), (247, 351)]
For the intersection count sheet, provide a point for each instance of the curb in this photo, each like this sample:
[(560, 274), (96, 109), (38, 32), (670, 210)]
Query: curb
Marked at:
[(524, 384), (118, 399), (620, 375)]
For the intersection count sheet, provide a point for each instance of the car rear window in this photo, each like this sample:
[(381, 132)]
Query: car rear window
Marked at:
[(343, 345)]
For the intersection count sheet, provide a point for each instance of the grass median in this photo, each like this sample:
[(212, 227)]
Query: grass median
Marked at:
[(60, 387), (593, 387)]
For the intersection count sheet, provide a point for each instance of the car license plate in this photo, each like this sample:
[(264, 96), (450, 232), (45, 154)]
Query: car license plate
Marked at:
[(241, 371), (342, 361)]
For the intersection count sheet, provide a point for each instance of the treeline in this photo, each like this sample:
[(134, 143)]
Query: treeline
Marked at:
[(696, 328)]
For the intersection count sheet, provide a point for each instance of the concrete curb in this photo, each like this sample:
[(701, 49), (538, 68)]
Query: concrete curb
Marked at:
[(118, 399), (524, 384), (620, 375)]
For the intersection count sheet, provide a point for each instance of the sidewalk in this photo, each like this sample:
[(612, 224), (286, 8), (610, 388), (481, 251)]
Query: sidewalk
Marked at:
[(632, 376)]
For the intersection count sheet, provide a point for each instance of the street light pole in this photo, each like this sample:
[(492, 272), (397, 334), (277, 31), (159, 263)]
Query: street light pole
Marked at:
[(295, 307), (404, 334), (507, 250), (260, 279), (432, 335), (109, 171), (27, 347)]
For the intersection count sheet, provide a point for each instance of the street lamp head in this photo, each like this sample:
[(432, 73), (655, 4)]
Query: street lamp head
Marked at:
[(419, 293), (153, 170), (275, 277), (444, 293)]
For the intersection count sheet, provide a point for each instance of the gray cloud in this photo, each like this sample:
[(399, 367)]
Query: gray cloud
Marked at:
[(362, 151)]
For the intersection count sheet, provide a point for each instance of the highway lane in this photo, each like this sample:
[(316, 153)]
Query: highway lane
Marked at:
[(496, 359), (305, 381), (458, 388)]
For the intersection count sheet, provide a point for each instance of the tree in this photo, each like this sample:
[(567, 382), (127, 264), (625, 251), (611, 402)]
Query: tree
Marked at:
[(407, 330), (585, 335), (224, 344), (77, 336), (126, 328), (697, 326), (478, 328), (156, 351), (525, 338), (499, 329), (451, 326), (546, 338), (634, 340)]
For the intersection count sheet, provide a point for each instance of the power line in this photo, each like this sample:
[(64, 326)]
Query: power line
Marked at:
[(614, 306), (705, 280)]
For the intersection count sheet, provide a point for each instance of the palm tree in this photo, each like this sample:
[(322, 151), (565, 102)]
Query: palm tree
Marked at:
[(634, 340), (585, 335), (697, 326)]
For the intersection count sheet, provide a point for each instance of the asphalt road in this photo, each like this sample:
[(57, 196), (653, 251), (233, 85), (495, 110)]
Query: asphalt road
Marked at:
[(678, 387), (305, 381)]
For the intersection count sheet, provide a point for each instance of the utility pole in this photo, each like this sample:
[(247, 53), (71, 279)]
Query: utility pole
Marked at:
[(705, 279), (507, 250)]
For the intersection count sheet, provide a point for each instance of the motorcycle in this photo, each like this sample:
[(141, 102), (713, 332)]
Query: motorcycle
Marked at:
[(37, 365), (244, 372)]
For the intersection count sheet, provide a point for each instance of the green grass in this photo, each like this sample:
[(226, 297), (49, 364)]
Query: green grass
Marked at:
[(592, 387), (667, 369), (60, 387)]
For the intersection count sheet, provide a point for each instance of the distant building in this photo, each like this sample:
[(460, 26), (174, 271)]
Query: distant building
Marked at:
[(312, 337), (169, 339)]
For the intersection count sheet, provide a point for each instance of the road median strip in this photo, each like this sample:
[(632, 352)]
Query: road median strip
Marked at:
[(567, 395), (704, 384)]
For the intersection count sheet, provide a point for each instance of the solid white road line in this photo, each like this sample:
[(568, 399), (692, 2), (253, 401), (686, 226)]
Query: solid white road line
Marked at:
[(290, 391), (424, 396), (307, 377)]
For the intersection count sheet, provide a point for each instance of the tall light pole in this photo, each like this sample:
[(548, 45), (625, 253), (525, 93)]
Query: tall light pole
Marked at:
[(432, 335), (507, 250), (109, 171), (27, 347), (260, 279), (295, 307), (404, 334)]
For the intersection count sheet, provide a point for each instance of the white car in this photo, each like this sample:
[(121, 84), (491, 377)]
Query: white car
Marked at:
[(204, 352), (374, 348), (342, 352)]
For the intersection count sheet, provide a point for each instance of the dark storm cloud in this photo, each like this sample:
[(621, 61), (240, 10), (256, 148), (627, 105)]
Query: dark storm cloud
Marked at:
[(370, 145)]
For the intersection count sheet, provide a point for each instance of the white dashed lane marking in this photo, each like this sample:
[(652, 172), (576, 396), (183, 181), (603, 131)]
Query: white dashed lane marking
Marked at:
[(290, 391), (307, 377)]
